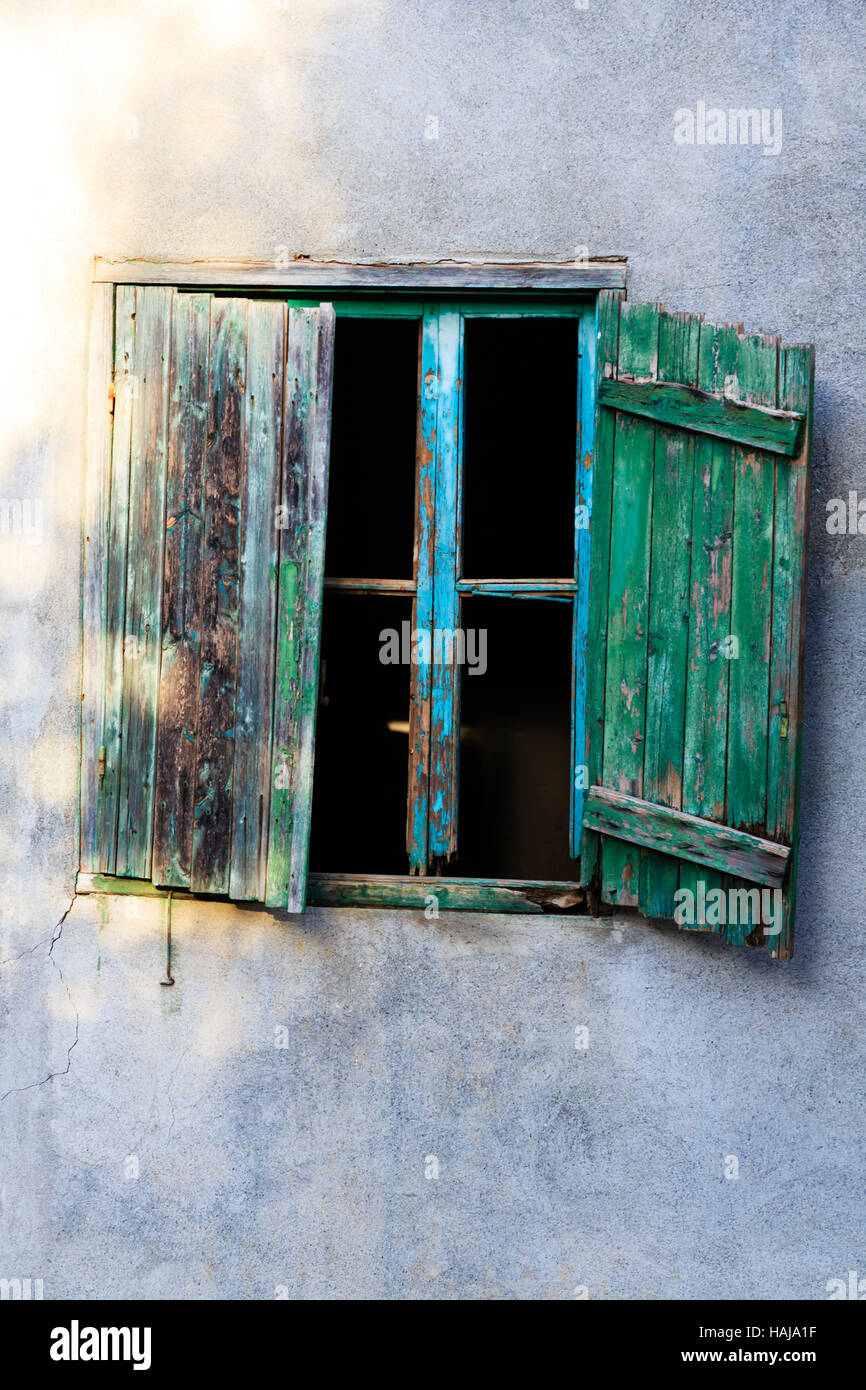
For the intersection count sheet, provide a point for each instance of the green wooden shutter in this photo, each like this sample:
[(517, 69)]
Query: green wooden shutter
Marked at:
[(307, 434), (694, 665), (204, 554)]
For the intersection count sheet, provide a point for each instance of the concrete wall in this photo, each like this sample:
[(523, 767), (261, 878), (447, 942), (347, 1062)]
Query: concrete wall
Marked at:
[(222, 129)]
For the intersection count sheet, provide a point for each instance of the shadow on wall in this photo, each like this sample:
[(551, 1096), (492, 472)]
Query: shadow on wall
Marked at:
[(160, 133), (204, 132)]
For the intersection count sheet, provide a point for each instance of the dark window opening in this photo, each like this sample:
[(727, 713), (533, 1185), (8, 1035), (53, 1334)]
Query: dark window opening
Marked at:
[(521, 404), (515, 742), (516, 478), (362, 740), (371, 492)]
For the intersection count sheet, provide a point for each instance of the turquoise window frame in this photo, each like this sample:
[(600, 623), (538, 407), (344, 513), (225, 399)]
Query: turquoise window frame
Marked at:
[(438, 587)]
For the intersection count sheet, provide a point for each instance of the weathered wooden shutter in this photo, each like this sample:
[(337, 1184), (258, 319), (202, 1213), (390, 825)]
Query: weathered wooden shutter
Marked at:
[(203, 583), (696, 599)]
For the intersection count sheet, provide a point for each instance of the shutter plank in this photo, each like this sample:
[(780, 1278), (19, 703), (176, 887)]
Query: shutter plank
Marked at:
[(667, 658), (796, 386), (704, 755), (315, 516), (628, 607), (258, 577), (306, 435), (751, 609), (218, 659), (95, 559), (179, 674), (118, 533), (299, 407), (143, 624), (608, 314)]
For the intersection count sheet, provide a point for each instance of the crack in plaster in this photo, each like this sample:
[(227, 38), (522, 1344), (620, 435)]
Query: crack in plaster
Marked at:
[(55, 937)]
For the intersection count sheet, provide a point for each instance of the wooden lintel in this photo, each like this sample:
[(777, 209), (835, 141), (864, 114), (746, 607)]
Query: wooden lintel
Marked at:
[(439, 275)]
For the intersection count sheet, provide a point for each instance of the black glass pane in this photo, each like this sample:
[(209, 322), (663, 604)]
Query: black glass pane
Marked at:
[(362, 739), (520, 448), (515, 748), (371, 492)]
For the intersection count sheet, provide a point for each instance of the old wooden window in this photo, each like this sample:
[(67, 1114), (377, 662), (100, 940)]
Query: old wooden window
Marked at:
[(613, 495), (474, 581)]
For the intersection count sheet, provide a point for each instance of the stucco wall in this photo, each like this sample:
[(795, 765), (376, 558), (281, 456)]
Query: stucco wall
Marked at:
[(222, 129)]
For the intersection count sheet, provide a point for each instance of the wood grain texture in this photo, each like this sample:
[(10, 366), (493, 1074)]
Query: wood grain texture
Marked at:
[(118, 533), (445, 676), (219, 599), (143, 609), (95, 548), (370, 586), (628, 597), (259, 554), (310, 606), (706, 726), (306, 436), (725, 628), (688, 837), (607, 337), (590, 275), (452, 895), (751, 609), (583, 505), (420, 675), (685, 407), (449, 894), (563, 589), (669, 607), (298, 414), (784, 735), (181, 605)]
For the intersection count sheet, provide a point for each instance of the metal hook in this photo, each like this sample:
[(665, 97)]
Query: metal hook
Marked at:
[(169, 978)]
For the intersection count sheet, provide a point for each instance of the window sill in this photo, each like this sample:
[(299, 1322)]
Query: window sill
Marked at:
[(450, 894), (382, 890)]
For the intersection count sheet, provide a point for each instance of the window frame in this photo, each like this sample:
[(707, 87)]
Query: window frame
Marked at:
[(438, 587), (439, 296)]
